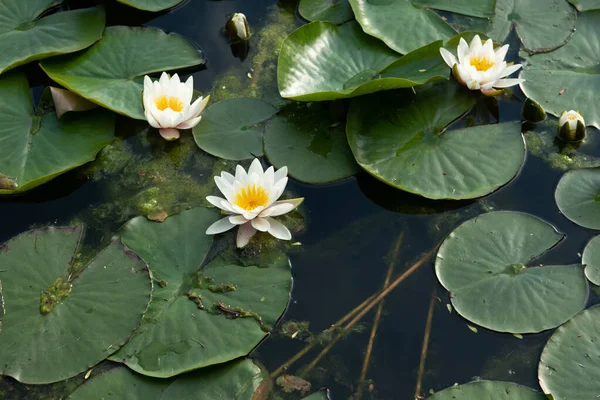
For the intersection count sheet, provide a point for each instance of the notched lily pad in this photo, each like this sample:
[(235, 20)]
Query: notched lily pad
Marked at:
[(585, 5), (233, 129), (151, 5), (483, 264), (336, 11), (25, 36), (578, 196), (570, 361), (60, 317), (236, 380), (36, 145), (354, 64), (111, 72), (492, 390), (199, 317), (399, 138)]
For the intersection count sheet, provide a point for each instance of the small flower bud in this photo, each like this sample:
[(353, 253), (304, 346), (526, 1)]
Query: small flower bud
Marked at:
[(237, 28), (571, 126), (533, 111)]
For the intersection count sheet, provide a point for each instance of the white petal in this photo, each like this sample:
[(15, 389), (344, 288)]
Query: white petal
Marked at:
[(241, 175), (504, 83), (198, 106), (218, 202), (488, 50), (189, 90), (509, 70), (261, 224), (220, 226), (475, 44), (255, 168), (153, 123), (164, 79), (278, 189), (189, 124), (572, 124), (237, 219), (175, 80), (463, 50), (501, 53), (225, 188), (228, 177), (278, 230), (564, 117), (473, 85), (169, 133), (277, 209), (280, 174), (245, 233), (463, 73), (269, 178), (448, 57)]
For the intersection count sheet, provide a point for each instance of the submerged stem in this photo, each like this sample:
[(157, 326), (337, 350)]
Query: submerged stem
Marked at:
[(425, 346)]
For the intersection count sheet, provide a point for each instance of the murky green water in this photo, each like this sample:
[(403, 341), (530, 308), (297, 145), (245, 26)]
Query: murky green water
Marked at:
[(350, 228)]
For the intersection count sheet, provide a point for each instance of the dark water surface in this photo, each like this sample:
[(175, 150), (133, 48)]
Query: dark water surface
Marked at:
[(351, 228)]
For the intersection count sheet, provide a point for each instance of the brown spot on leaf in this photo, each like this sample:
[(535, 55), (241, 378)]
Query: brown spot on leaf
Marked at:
[(158, 216)]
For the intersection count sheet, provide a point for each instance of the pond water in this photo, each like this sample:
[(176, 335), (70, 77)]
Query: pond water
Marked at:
[(350, 232)]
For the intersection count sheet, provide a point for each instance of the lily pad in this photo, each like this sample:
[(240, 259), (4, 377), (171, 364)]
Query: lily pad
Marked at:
[(578, 197), (399, 138), (568, 78), (586, 5), (542, 25), (336, 11), (591, 260), (59, 320), (480, 8), (401, 25), (37, 146), (353, 65), (570, 360), (488, 390), (320, 395), (313, 147), (232, 129), (25, 36), (483, 265), (151, 5), (236, 381), (199, 317), (111, 72)]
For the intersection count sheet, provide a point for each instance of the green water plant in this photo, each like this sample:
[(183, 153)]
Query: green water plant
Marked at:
[(151, 5), (488, 390), (577, 196)]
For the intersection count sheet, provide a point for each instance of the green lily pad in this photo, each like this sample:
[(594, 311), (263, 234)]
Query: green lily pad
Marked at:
[(483, 265), (353, 65), (401, 25), (398, 138), (25, 37), (542, 25), (151, 5), (568, 78), (336, 11), (236, 381), (586, 5), (111, 72), (232, 129), (488, 390), (480, 8), (313, 147), (199, 317), (36, 146), (570, 360), (591, 260), (578, 197), (59, 320), (320, 395)]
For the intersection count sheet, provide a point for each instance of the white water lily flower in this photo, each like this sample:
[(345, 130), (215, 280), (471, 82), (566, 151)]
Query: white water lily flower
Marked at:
[(571, 126), (480, 67), (167, 105), (251, 202)]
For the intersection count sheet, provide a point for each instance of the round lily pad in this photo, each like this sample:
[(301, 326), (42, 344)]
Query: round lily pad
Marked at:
[(59, 320), (36, 145), (483, 266), (320, 395), (570, 360), (586, 5), (199, 317), (151, 5), (488, 390), (399, 138), (591, 260), (237, 380), (336, 11), (568, 78), (111, 72), (578, 197), (353, 65), (25, 36), (542, 25), (233, 129), (401, 25), (310, 144), (480, 8)]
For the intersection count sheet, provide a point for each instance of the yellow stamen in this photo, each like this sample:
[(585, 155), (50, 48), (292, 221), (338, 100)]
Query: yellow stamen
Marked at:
[(572, 117), (164, 102), (482, 63), (251, 196)]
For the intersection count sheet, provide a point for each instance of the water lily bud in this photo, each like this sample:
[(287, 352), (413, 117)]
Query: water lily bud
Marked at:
[(237, 28), (533, 111), (571, 126)]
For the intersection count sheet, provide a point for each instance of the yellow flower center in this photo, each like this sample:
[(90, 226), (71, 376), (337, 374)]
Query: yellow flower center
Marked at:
[(164, 102), (251, 196), (572, 117), (482, 63)]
